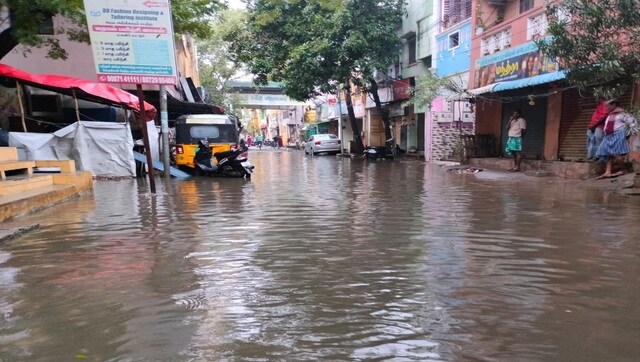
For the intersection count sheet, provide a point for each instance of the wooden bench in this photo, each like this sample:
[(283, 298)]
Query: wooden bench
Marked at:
[(9, 162)]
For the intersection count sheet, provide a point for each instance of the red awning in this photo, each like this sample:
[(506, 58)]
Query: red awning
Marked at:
[(80, 88)]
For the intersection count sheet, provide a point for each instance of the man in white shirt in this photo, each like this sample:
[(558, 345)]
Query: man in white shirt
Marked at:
[(517, 127)]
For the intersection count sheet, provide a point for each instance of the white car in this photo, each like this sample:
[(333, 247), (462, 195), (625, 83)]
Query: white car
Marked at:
[(323, 142)]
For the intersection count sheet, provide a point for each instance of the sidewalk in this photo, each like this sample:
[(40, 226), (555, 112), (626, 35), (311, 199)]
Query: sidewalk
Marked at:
[(628, 184)]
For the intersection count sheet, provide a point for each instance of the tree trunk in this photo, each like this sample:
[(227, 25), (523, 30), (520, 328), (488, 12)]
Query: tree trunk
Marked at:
[(359, 146), (384, 113)]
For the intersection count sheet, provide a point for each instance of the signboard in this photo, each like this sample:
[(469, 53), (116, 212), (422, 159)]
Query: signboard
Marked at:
[(401, 89), (516, 63), (132, 41), (268, 101)]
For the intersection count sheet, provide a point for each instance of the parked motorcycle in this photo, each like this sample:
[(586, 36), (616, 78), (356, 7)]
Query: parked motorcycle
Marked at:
[(232, 163), (377, 152)]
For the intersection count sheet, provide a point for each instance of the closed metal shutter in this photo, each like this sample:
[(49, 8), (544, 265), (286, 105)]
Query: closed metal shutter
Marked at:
[(577, 109), (536, 116)]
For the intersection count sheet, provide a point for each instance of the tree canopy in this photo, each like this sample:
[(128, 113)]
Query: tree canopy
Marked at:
[(26, 18), (314, 45), (597, 42), (216, 63)]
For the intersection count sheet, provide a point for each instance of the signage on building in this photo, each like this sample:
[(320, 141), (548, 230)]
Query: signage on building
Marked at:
[(401, 89), (269, 101), (520, 62), (132, 41)]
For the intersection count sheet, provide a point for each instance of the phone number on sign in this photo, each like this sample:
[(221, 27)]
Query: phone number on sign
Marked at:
[(135, 79)]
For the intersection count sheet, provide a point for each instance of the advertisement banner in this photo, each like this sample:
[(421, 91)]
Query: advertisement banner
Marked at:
[(401, 89), (132, 41), (517, 63)]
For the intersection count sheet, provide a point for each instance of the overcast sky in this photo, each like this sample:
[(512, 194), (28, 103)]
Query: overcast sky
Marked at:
[(235, 4)]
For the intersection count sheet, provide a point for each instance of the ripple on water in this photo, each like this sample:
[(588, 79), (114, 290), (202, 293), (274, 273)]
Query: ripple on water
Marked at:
[(325, 258)]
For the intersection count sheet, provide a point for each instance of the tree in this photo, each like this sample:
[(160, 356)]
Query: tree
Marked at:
[(27, 17), (216, 63), (597, 42), (319, 46)]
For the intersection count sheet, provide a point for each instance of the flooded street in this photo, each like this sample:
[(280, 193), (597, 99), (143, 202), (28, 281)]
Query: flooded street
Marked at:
[(326, 258)]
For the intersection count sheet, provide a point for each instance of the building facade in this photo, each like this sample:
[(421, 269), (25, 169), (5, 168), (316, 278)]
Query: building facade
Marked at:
[(451, 115), (510, 73)]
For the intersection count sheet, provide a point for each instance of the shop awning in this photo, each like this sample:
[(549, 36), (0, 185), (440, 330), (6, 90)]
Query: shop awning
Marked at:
[(519, 83), (80, 88), (528, 82), (481, 90)]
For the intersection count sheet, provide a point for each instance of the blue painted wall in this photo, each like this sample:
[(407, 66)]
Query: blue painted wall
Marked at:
[(454, 60)]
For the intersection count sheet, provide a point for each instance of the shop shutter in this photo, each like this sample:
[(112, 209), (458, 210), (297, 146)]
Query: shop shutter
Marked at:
[(577, 109), (536, 116)]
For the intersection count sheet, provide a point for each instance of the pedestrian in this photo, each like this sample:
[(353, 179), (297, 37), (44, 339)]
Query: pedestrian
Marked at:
[(614, 143), (249, 140), (259, 139), (516, 127), (595, 132)]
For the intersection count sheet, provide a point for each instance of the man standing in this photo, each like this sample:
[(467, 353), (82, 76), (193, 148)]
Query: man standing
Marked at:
[(517, 127)]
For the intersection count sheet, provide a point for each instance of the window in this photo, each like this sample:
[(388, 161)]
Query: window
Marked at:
[(563, 15), (537, 26), (46, 27), (525, 5), (454, 40), (496, 42), (455, 11), (411, 43), (204, 132), (423, 42)]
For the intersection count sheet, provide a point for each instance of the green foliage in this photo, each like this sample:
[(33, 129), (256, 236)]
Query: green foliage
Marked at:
[(216, 64), (314, 45), (189, 17), (429, 87), (597, 42)]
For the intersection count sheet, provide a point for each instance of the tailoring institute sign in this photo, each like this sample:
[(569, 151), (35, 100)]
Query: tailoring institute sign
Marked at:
[(132, 41)]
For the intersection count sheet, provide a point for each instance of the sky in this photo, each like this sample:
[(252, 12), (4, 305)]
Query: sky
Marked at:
[(236, 4)]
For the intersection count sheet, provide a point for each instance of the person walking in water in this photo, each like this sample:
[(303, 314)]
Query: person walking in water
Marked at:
[(614, 144), (516, 127)]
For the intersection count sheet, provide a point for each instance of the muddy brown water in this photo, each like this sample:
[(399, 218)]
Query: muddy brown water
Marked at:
[(328, 259)]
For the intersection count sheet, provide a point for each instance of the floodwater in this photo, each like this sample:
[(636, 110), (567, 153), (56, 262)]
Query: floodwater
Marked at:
[(328, 259)]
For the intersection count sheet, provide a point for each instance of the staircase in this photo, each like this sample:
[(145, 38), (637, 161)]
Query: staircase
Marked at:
[(27, 186)]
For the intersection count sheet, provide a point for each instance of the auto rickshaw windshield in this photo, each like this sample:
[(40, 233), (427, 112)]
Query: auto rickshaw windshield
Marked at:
[(212, 133)]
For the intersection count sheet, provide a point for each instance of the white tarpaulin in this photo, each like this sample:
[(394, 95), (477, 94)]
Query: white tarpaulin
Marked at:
[(103, 148)]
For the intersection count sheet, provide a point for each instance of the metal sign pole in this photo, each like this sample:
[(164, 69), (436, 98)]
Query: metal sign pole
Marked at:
[(164, 127)]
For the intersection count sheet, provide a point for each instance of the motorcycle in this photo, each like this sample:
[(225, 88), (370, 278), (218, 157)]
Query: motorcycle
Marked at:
[(376, 152), (232, 163)]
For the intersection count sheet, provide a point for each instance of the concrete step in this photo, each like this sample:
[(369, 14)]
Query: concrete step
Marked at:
[(33, 200), (17, 185)]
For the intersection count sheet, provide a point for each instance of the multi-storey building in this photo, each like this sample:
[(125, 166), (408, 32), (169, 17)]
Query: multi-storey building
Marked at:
[(407, 122), (451, 115), (509, 72)]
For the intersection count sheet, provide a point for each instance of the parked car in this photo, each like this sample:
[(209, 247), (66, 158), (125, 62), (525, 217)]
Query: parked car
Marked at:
[(324, 142)]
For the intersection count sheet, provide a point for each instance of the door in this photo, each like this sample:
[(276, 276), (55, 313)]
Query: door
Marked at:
[(535, 116)]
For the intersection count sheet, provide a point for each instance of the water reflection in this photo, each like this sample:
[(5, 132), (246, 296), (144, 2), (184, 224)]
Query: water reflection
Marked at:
[(326, 258)]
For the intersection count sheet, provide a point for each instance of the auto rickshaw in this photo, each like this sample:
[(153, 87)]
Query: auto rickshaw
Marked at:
[(221, 131)]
